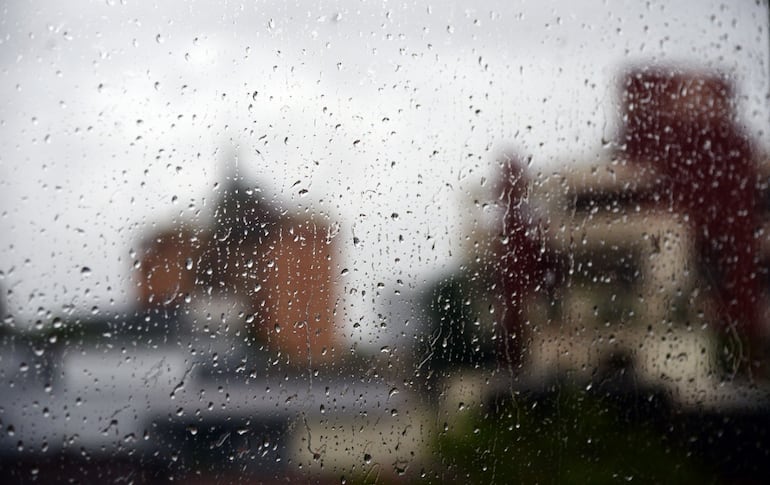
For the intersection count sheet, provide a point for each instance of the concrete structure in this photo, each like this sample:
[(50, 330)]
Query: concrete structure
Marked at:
[(671, 222)]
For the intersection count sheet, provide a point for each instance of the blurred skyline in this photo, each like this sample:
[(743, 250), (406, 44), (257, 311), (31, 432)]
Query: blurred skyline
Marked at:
[(382, 118)]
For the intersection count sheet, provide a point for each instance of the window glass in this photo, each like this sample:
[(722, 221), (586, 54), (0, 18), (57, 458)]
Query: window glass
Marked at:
[(367, 242)]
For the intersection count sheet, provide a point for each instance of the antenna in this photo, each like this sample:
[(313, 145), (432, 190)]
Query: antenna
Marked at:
[(230, 170)]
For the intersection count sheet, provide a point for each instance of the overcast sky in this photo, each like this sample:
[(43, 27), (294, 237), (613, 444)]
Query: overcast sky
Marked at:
[(118, 115)]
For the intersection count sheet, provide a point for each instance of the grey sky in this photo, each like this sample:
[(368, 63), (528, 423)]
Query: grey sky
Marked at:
[(114, 118)]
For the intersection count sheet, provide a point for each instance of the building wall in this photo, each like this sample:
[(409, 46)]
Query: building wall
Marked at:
[(285, 279), (300, 287)]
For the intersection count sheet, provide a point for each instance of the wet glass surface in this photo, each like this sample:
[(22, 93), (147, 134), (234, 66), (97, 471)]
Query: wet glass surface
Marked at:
[(376, 243)]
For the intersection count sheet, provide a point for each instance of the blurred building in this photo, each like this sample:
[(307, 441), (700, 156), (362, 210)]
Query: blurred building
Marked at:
[(661, 244), (682, 126), (255, 274)]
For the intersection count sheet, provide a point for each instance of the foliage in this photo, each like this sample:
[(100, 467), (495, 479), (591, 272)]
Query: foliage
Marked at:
[(566, 437)]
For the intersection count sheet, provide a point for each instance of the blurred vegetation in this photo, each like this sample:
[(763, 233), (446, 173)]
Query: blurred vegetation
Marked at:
[(457, 310), (569, 436)]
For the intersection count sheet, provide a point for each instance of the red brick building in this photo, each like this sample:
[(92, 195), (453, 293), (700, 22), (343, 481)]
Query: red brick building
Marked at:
[(682, 127), (273, 270)]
